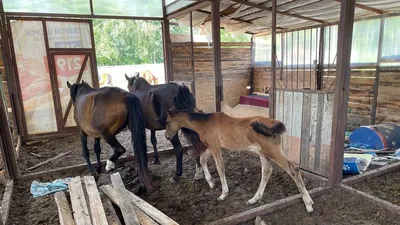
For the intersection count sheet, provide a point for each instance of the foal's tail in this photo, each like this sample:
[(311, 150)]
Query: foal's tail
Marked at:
[(185, 101), (276, 130), (138, 134)]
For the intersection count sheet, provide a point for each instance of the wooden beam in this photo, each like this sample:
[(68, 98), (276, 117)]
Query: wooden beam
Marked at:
[(342, 88), (277, 11), (96, 206), (216, 39), (378, 71), (78, 202), (64, 212), (128, 212), (50, 160), (150, 210), (268, 208), (272, 92), (185, 10), (385, 204), (372, 173), (361, 6)]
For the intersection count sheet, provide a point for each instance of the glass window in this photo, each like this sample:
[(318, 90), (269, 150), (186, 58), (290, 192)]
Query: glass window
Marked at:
[(330, 45), (68, 34), (48, 6), (145, 8), (365, 42), (178, 5), (262, 46), (391, 43)]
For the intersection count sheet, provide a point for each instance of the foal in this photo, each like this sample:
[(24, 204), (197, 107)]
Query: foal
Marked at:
[(261, 135)]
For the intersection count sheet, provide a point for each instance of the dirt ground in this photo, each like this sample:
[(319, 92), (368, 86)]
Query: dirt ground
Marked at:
[(336, 207), (188, 202), (386, 187), (51, 148)]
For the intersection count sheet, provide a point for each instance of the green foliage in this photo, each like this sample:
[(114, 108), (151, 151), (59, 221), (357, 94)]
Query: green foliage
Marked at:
[(128, 42)]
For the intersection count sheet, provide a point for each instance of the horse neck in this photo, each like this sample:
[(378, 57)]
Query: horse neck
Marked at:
[(141, 85), (195, 126)]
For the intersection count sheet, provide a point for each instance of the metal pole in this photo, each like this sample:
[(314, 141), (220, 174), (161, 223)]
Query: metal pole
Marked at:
[(192, 55), (166, 45), (216, 39), (272, 98), (342, 89)]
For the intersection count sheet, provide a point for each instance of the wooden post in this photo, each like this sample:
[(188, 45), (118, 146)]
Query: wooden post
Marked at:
[(216, 42), (377, 72), (272, 98), (192, 56), (166, 45), (341, 91), (320, 75), (251, 80)]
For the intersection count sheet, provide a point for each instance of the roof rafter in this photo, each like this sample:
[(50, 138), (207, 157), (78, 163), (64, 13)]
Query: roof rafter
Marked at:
[(368, 8), (277, 11)]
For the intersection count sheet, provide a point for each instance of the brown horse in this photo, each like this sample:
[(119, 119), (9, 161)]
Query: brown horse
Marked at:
[(103, 113), (257, 134), (156, 101)]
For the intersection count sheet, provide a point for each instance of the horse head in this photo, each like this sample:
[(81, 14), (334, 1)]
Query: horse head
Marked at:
[(74, 89), (135, 82)]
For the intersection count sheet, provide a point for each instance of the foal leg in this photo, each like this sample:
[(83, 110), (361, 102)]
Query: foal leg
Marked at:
[(154, 143), (85, 150), (219, 162), (118, 151), (276, 154), (97, 150), (266, 171), (203, 162), (179, 155), (199, 170)]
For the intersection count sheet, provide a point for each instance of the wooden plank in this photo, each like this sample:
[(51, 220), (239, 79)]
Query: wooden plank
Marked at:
[(64, 212), (318, 134), (305, 131), (372, 173), (78, 201), (297, 125), (111, 214), (128, 212), (6, 202), (313, 131), (95, 204), (268, 208), (144, 219), (326, 133), (288, 105), (154, 213), (50, 160), (388, 205)]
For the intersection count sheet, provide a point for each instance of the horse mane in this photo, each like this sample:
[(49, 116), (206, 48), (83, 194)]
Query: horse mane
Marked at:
[(185, 101), (137, 82), (194, 116), (75, 89)]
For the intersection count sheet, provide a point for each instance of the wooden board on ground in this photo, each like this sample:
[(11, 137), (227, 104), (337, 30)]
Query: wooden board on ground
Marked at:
[(128, 212), (144, 219), (111, 214), (64, 212), (96, 206), (78, 201), (148, 209)]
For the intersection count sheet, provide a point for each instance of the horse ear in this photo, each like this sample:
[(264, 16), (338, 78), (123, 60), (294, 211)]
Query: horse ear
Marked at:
[(126, 77), (83, 81), (137, 74), (69, 85)]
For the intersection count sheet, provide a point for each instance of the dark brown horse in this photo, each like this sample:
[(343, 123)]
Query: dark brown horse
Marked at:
[(103, 113), (156, 101)]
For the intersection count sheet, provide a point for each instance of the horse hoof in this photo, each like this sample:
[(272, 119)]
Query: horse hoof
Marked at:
[(95, 175), (109, 165), (198, 176), (156, 162), (252, 201), (173, 180), (222, 197), (309, 209)]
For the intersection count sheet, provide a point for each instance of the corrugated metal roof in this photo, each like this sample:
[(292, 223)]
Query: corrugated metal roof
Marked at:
[(259, 20)]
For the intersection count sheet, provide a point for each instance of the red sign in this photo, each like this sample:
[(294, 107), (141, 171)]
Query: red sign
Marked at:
[(69, 65)]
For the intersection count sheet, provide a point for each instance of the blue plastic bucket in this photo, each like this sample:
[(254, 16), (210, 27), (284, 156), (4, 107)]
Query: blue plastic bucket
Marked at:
[(378, 137)]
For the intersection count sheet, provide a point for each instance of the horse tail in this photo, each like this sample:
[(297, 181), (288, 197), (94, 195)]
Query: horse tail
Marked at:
[(138, 135), (185, 100), (276, 130)]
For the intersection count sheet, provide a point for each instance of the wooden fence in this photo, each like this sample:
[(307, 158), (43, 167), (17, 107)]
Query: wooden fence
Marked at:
[(308, 119), (361, 107)]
